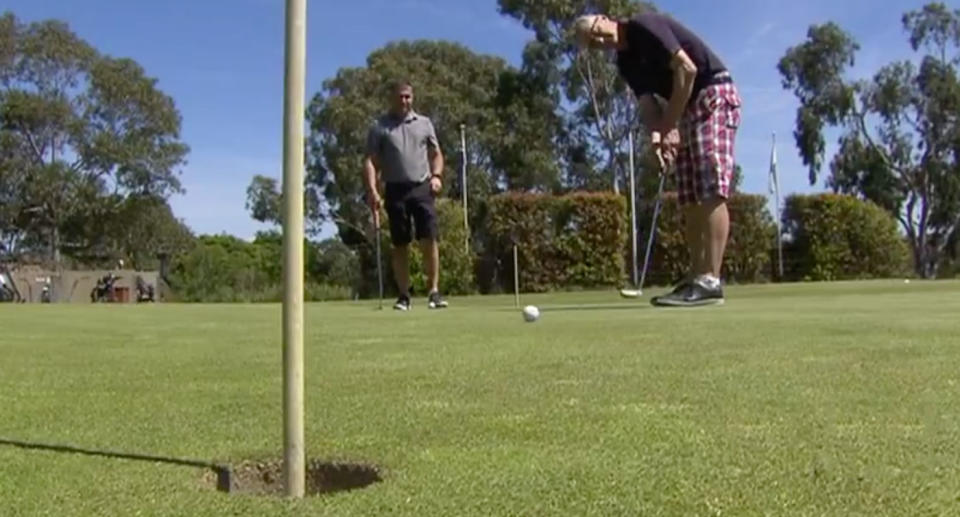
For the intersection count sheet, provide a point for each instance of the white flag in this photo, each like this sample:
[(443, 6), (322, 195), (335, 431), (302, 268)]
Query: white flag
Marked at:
[(773, 179)]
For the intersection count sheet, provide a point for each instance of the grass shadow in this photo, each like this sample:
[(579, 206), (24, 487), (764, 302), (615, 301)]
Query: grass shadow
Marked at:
[(586, 307), (223, 472), (262, 478)]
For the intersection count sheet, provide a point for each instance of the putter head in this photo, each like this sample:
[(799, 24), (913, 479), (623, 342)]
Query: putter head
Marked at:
[(631, 293)]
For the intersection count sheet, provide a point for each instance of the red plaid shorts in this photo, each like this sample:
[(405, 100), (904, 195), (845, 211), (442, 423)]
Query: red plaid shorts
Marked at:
[(708, 130)]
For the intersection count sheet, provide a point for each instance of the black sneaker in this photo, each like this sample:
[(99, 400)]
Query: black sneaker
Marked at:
[(434, 301), (690, 294), (403, 303), (681, 288)]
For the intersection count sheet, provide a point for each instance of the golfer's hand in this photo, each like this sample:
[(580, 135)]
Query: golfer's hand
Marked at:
[(658, 151), (665, 147), (672, 140), (436, 185), (375, 202)]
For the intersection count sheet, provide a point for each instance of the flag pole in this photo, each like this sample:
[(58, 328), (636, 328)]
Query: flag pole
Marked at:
[(633, 213), (294, 460), (463, 166), (775, 188)]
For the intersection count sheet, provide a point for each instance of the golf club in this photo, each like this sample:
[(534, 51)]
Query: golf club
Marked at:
[(376, 225), (638, 292)]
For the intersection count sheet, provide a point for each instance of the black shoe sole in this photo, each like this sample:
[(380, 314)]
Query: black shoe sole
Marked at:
[(679, 303)]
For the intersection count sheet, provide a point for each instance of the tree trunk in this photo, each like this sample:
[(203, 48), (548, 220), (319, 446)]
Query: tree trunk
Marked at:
[(614, 165), (55, 246)]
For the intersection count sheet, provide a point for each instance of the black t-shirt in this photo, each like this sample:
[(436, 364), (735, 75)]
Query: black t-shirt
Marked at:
[(652, 40)]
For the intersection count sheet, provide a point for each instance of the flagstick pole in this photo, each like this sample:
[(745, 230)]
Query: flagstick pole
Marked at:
[(779, 239), (294, 461)]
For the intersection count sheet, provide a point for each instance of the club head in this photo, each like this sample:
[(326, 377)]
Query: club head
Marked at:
[(631, 293)]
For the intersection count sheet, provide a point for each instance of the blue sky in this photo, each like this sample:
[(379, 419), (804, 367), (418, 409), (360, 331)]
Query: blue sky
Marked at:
[(222, 62)]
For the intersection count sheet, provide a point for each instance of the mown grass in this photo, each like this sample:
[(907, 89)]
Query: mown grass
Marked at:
[(813, 399)]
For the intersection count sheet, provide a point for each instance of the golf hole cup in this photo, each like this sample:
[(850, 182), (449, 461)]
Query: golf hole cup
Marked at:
[(531, 313)]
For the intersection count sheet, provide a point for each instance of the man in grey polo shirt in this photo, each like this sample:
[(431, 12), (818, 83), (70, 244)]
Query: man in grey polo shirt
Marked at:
[(403, 146)]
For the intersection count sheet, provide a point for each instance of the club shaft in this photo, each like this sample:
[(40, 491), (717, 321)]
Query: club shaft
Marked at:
[(516, 277), (653, 231), (379, 266)]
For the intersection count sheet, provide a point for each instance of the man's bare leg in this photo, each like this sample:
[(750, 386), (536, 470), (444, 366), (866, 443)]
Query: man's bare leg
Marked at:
[(431, 261), (401, 268), (717, 220), (695, 229)]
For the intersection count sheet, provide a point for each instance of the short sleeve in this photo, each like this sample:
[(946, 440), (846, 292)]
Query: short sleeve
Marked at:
[(373, 141), (431, 136), (658, 28)]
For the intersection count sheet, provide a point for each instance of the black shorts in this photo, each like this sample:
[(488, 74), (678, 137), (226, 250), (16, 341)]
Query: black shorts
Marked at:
[(410, 200)]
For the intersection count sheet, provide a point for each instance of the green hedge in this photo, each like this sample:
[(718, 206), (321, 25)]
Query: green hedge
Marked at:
[(571, 241), (747, 257), (225, 269), (840, 237)]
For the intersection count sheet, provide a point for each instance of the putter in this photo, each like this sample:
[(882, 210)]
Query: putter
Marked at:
[(376, 224), (638, 292)]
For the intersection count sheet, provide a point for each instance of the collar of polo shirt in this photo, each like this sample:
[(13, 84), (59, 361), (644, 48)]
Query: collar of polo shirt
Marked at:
[(410, 117)]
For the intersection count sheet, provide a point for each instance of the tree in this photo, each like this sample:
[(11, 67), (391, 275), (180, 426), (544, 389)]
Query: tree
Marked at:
[(265, 204), (900, 136), (79, 133), (143, 228), (601, 109)]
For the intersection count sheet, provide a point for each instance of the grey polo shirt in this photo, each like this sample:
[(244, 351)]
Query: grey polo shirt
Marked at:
[(401, 147)]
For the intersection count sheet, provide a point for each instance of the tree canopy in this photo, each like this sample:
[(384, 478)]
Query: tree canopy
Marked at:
[(80, 133), (900, 137)]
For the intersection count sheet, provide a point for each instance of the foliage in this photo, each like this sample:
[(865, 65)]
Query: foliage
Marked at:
[(80, 132), (223, 268), (908, 162), (840, 237), (575, 240), (601, 107), (265, 204), (143, 228)]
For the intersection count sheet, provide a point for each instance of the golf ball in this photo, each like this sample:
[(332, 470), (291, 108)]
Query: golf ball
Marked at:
[(531, 313)]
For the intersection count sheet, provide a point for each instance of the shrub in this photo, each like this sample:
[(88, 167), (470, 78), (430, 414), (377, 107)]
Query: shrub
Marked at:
[(576, 240), (840, 237)]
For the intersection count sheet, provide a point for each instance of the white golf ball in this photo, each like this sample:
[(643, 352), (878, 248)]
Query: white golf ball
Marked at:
[(531, 313)]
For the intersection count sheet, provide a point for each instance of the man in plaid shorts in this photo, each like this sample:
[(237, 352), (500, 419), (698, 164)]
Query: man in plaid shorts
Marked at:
[(692, 108)]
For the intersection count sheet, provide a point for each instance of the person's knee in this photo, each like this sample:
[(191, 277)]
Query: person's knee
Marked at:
[(428, 244)]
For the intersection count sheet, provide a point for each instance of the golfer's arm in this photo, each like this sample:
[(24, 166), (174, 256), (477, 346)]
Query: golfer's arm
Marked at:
[(684, 75), (436, 162), (650, 112), (370, 174)]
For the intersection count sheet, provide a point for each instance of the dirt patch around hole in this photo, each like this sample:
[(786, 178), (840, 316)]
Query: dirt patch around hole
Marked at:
[(265, 478)]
